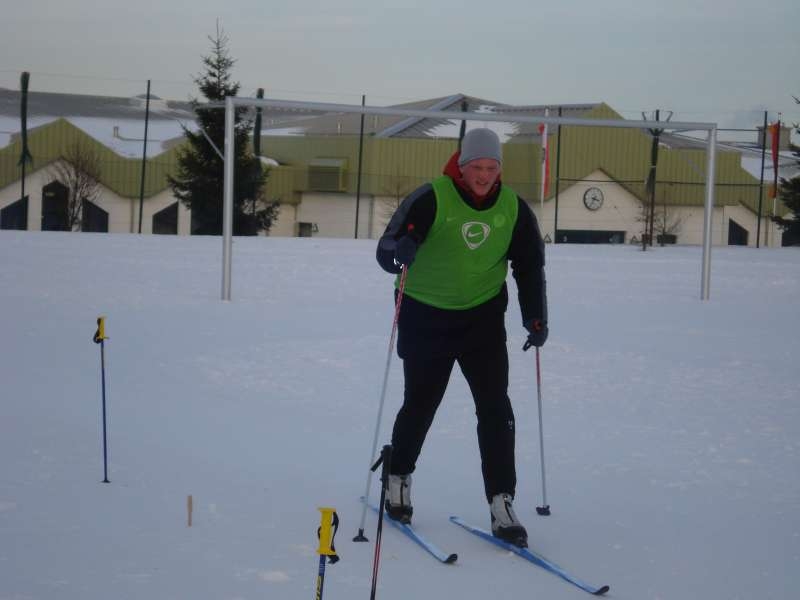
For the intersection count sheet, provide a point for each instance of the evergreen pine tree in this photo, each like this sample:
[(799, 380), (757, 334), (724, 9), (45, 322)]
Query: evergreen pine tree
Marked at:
[(199, 181), (789, 193)]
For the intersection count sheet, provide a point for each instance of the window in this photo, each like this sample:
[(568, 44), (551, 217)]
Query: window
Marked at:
[(55, 207), (15, 215), (737, 235), (666, 238), (94, 218), (165, 221), (327, 175)]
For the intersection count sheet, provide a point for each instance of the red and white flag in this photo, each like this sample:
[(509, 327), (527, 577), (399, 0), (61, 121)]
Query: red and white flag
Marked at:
[(775, 133), (545, 159)]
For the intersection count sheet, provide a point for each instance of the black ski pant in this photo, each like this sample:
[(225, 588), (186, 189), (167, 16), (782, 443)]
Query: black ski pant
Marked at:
[(486, 371)]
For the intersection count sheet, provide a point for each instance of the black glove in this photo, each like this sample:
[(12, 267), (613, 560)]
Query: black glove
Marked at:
[(537, 335), (405, 250)]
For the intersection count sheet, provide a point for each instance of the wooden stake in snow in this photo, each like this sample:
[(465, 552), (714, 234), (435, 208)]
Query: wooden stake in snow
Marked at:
[(189, 509)]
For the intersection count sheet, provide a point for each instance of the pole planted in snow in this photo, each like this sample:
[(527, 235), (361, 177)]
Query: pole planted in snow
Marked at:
[(100, 338)]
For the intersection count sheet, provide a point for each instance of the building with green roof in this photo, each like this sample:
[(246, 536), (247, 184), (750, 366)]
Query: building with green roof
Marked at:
[(597, 191)]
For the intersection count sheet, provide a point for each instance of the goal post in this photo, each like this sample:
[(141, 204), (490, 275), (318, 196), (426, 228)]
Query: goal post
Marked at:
[(232, 103)]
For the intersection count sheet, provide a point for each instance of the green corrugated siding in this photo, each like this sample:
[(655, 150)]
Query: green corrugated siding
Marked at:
[(399, 165), (395, 166), (386, 163), (122, 175), (281, 185)]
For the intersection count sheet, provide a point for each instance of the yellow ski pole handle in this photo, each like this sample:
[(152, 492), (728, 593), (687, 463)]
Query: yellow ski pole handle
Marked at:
[(100, 334), (326, 532), (329, 523)]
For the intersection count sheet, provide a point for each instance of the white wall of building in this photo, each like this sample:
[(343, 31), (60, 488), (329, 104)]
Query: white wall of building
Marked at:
[(621, 211), (334, 215), (693, 218), (123, 213), (34, 182), (284, 224), (154, 204)]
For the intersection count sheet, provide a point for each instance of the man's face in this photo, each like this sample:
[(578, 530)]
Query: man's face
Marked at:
[(480, 175)]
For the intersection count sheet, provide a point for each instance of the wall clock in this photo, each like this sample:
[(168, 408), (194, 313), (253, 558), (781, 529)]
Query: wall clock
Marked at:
[(593, 198)]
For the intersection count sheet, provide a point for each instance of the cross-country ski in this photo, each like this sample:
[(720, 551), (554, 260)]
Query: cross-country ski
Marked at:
[(531, 556)]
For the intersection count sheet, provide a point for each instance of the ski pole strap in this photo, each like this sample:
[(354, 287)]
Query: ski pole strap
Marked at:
[(100, 334), (329, 525)]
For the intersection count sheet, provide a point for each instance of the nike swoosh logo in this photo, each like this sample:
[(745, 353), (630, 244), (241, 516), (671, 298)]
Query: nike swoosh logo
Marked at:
[(474, 234)]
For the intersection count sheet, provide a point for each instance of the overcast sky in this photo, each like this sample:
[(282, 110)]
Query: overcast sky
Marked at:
[(707, 60)]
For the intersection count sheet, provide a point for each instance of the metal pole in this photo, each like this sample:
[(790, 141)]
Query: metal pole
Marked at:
[(230, 102), (558, 179), (400, 290), (144, 155), (458, 115), (22, 196), (544, 509), (320, 576), (227, 204), (462, 130), (23, 117), (761, 181), (655, 179), (360, 153), (386, 459), (544, 165), (257, 125), (705, 291), (100, 338), (103, 384)]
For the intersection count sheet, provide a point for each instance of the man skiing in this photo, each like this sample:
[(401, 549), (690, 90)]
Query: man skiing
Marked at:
[(456, 236)]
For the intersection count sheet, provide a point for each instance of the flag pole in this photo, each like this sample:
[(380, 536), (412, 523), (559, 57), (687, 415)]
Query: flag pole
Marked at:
[(761, 181), (776, 153), (543, 131)]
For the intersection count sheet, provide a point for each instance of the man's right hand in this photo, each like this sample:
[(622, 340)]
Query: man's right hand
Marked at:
[(405, 251), (537, 333)]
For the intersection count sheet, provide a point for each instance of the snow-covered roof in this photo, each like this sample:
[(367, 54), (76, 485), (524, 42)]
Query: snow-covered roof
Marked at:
[(788, 166), (751, 154), (117, 123), (417, 127)]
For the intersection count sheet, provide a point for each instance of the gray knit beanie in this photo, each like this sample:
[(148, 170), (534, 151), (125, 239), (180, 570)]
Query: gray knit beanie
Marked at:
[(480, 143)]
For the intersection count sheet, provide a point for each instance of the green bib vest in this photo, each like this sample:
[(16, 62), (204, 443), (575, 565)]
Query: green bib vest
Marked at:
[(462, 262)]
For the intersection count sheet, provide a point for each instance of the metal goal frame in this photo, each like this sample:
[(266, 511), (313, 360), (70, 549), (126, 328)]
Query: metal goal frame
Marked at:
[(231, 103)]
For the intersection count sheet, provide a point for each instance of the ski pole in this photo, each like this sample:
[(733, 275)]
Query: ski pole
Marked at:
[(545, 508), (100, 338), (329, 524), (386, 459), (401, 286)]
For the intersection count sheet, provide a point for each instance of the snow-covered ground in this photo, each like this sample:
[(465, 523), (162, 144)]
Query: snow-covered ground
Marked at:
[(672, 425)]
